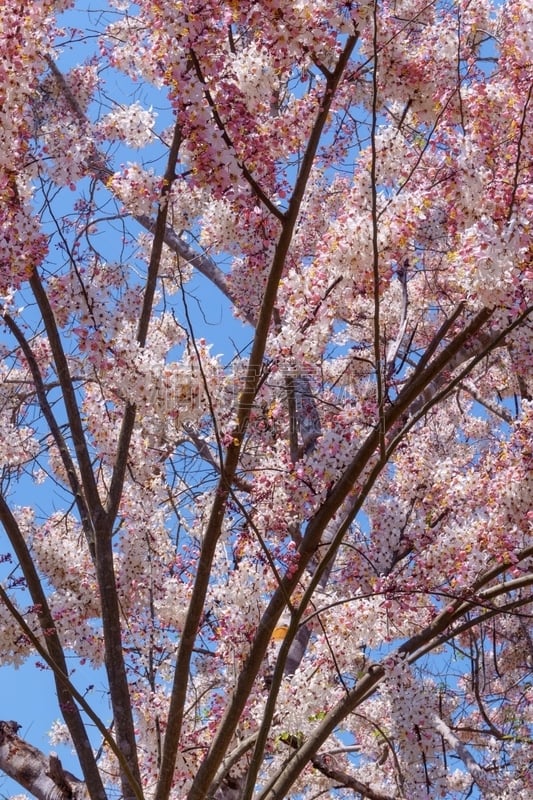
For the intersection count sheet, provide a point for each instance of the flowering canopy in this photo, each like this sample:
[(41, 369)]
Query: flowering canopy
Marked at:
[(307, 567)]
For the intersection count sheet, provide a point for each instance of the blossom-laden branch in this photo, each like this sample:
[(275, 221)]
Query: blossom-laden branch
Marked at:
[(415, 648), (111, 616)]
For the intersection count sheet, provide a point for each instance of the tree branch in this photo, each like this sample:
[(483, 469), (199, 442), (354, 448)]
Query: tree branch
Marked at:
[(54, 428), (68, 394), (324, 763), (378, 360), (254, 185), (43, 777), (111, 618), (478, 775)]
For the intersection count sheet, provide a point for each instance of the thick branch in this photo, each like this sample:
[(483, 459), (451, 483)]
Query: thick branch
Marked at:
[(111, 617), (115, 667), (325, 764), (477, 773), (378, 360), (43, 777)]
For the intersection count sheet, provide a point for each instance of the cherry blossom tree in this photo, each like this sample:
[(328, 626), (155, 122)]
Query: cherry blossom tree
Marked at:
[(304, 568)]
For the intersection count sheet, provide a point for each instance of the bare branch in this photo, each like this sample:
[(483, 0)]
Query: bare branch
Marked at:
[(43, 777), (477, 773)]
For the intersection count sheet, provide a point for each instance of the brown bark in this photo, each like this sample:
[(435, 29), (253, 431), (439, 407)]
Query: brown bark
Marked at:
[(42, 776)]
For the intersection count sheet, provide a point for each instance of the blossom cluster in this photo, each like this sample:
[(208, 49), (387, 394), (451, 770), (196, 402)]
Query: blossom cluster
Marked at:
[(133, 125)]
